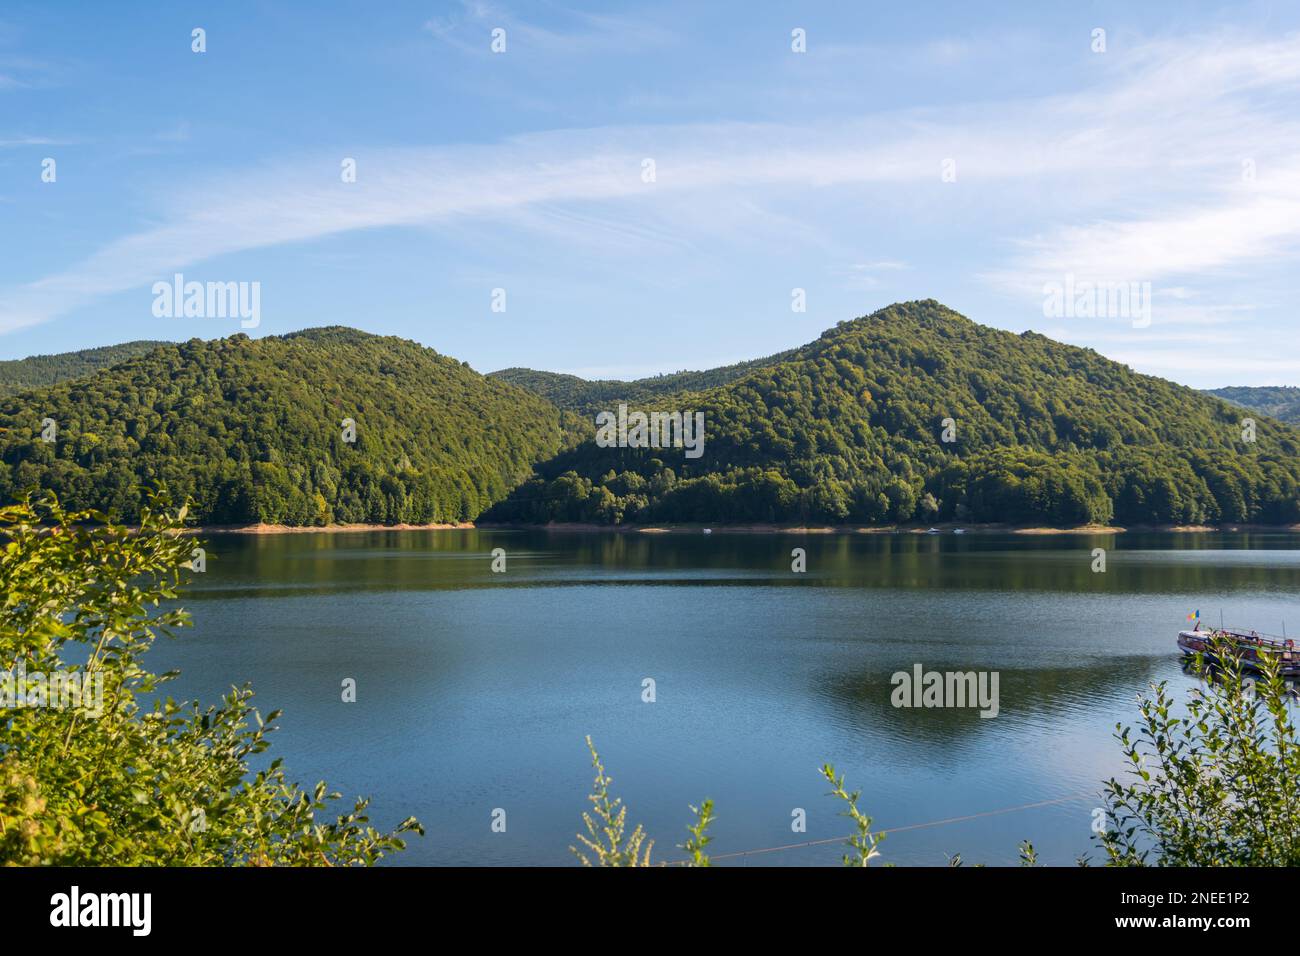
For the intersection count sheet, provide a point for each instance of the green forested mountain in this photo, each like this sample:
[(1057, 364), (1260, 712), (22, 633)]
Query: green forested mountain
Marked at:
[(17, 375), (849, 429), (588, 397), (1281, 401), (251, 429)]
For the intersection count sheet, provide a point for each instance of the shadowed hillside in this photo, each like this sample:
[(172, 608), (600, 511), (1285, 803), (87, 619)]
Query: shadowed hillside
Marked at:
[(1281, 402), (17, 375), (588, 397)]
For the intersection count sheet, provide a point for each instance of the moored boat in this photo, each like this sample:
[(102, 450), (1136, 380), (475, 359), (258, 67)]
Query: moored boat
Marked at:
[(1250, 648)]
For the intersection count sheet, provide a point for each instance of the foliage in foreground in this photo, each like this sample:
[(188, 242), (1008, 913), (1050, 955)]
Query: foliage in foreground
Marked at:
[(863, 842), (607, 842), (1214, 783), (606, 839), (161, 783)]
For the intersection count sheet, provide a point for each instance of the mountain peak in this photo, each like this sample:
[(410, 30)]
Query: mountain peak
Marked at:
[(916, 412)]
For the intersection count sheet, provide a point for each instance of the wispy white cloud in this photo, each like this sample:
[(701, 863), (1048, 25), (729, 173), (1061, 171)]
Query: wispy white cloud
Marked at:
[(13, 142), (1240, 223), (23, 73), (867, 275), (1181, 105), (470, 30), (1220, 113)]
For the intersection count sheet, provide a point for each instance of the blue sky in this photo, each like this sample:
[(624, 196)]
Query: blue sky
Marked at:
[(1171, 158)]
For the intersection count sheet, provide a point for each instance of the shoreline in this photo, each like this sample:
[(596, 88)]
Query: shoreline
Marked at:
[(587, 528), (259, 529)]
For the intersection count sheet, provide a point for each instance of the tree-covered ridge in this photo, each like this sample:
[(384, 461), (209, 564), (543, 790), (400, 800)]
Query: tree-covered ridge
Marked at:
[(588, 397), (846, 429), (1280, 401), (849, 428), (17, 375), (252, 431)]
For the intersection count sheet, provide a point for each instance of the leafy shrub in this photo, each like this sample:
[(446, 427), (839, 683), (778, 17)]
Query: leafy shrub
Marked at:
[(1215, 783), (131, 782)]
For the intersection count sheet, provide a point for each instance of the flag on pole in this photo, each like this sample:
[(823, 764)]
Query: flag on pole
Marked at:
[(1194, 616)]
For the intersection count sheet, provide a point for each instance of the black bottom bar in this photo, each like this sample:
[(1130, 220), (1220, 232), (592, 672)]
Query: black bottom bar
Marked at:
[(334, 906)]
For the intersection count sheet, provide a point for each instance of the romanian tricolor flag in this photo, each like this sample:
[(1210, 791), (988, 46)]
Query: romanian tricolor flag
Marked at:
[(1194, 616)]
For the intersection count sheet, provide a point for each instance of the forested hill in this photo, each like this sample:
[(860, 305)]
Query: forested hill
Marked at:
[(850, 429), (252, 430), (1282, 402), (847, 429), (17, 375), (588, 397)]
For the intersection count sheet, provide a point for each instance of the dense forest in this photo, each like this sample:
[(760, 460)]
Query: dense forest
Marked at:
[(252, 431), (1280, 401), (18, 375), (588, 397), (850, 429)]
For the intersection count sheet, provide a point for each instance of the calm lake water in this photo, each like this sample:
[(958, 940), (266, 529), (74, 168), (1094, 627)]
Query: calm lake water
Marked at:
[(475, 689)]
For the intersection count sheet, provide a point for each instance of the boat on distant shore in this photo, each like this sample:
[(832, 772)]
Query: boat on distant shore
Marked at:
[(1250, 648)]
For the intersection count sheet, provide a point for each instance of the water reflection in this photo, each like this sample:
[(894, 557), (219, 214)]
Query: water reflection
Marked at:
[(475, 689)]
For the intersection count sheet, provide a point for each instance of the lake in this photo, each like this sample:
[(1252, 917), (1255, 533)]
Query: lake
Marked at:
[(475, 689)]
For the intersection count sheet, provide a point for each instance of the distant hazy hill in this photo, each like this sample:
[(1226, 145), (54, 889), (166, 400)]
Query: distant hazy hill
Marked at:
[(17, 375), (589, 397), (1281, 402), (252, 430), (849, 429)]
